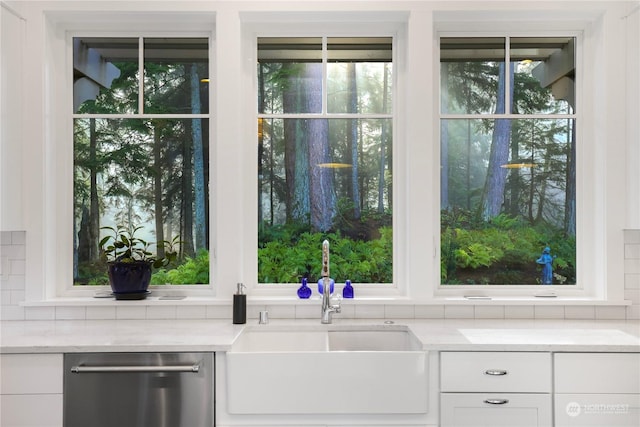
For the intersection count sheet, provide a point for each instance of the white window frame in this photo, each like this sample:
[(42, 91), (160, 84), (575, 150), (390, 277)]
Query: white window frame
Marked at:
[(381, 26), (593, 277), (55, 272)]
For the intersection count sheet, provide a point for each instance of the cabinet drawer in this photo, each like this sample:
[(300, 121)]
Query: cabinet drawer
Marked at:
[(597, 410), (597, 373), (495, 372), (495, 410), (31, 373), (41, 410)]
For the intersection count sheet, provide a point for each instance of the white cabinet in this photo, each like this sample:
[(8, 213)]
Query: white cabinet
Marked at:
[(597, 389), (495, 389), (31, 390)]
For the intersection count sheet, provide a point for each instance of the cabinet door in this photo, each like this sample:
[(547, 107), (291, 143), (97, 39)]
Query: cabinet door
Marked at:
[(495, 410), (31, 410), (31, 373)]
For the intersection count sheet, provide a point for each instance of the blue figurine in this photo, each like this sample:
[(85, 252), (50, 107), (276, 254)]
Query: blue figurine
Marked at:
[(547, 270)]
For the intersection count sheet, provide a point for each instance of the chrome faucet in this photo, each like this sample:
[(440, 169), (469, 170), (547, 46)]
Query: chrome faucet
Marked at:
[(327, 308)]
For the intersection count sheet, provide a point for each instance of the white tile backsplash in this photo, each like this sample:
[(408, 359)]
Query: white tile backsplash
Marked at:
[(13, 287)]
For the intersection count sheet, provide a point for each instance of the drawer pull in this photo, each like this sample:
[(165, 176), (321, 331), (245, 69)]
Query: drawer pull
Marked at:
[(495, 372), (496, 401)]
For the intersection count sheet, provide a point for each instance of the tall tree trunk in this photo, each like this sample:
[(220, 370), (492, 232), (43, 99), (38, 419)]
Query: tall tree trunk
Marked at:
[(157, 187), (352, 138), (321, 189), (296, 151), (187, 196), (198, 163), (444, 141), (94, 207), (493, 196), (570, 201), (383, 140)]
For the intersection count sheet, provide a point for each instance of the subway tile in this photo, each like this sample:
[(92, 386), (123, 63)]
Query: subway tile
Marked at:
[(459, 312), (549, 312), (12, 312), (71, 313), (369, 311), (101, 313), (161, 312), (633, 312), (40, 313), (253, 310), (219, 312), (519, 312), (13, 283), (632, 251), (5, 297), (392, 311), (632, 281), (307, 311), (17, 296), (5, 238), (14, 252), (17, 267), (133, 312), (632, 266), (579, 312), (347, 311), (191, 312), (429, 311), (631, 236), (281, 311), (489, 312), (632, 295), (18, 237), (611, 312)]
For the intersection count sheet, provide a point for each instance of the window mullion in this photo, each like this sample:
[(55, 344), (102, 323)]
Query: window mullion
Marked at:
[(141, 75), (507, 77)]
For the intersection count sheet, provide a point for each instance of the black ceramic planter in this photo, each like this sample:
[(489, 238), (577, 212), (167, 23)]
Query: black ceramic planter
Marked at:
[(130, 280)]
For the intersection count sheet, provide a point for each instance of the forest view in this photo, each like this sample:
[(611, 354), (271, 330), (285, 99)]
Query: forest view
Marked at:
[(145, 173), (324, 158), (508, 164)]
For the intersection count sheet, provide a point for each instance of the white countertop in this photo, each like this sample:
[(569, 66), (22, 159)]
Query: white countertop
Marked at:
[(64, 336)]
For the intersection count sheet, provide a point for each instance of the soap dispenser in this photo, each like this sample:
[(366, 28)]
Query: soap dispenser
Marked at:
[(240, 306)]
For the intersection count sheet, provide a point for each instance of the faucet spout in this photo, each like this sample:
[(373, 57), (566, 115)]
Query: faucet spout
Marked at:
[(327, 307)]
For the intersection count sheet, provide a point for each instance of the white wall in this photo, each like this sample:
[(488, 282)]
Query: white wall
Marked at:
[(29, 152)]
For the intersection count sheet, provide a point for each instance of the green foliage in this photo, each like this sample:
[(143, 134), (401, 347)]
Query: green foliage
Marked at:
[(193, 271), (500, 251), (295, 254), (124, 246)]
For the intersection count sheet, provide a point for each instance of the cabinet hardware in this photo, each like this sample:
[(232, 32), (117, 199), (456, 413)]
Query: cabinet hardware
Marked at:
[(94, 369), (495, 372), (496, 401)]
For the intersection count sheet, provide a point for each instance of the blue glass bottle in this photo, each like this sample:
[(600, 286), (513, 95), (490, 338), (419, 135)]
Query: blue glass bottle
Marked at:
[(304, 291), (321, 287), (347, 291)]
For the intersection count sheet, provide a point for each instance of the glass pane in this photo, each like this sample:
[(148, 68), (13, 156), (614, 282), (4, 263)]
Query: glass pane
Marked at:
[(507, 193), (151, 174), (289, 75), (105, 75), (545, 75), (176, 75), (325, 179), (472, 71), (359, 75)]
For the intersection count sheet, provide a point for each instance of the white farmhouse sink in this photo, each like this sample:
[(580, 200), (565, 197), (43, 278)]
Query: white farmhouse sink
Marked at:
[(327, 370)]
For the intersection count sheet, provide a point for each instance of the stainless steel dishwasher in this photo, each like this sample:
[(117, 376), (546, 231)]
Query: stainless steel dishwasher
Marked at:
[(139, 390)]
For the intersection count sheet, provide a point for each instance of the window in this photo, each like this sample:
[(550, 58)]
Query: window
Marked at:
[(508, 160), (141, 152), (325, 157)]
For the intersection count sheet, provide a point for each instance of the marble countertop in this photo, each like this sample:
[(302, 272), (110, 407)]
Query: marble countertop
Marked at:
[(63, 336)]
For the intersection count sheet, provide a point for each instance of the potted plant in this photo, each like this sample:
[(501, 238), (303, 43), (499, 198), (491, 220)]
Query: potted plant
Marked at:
[(129, 261)]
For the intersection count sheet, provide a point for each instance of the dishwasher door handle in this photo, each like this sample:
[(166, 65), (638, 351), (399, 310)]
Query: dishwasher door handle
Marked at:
[(114, 369)]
